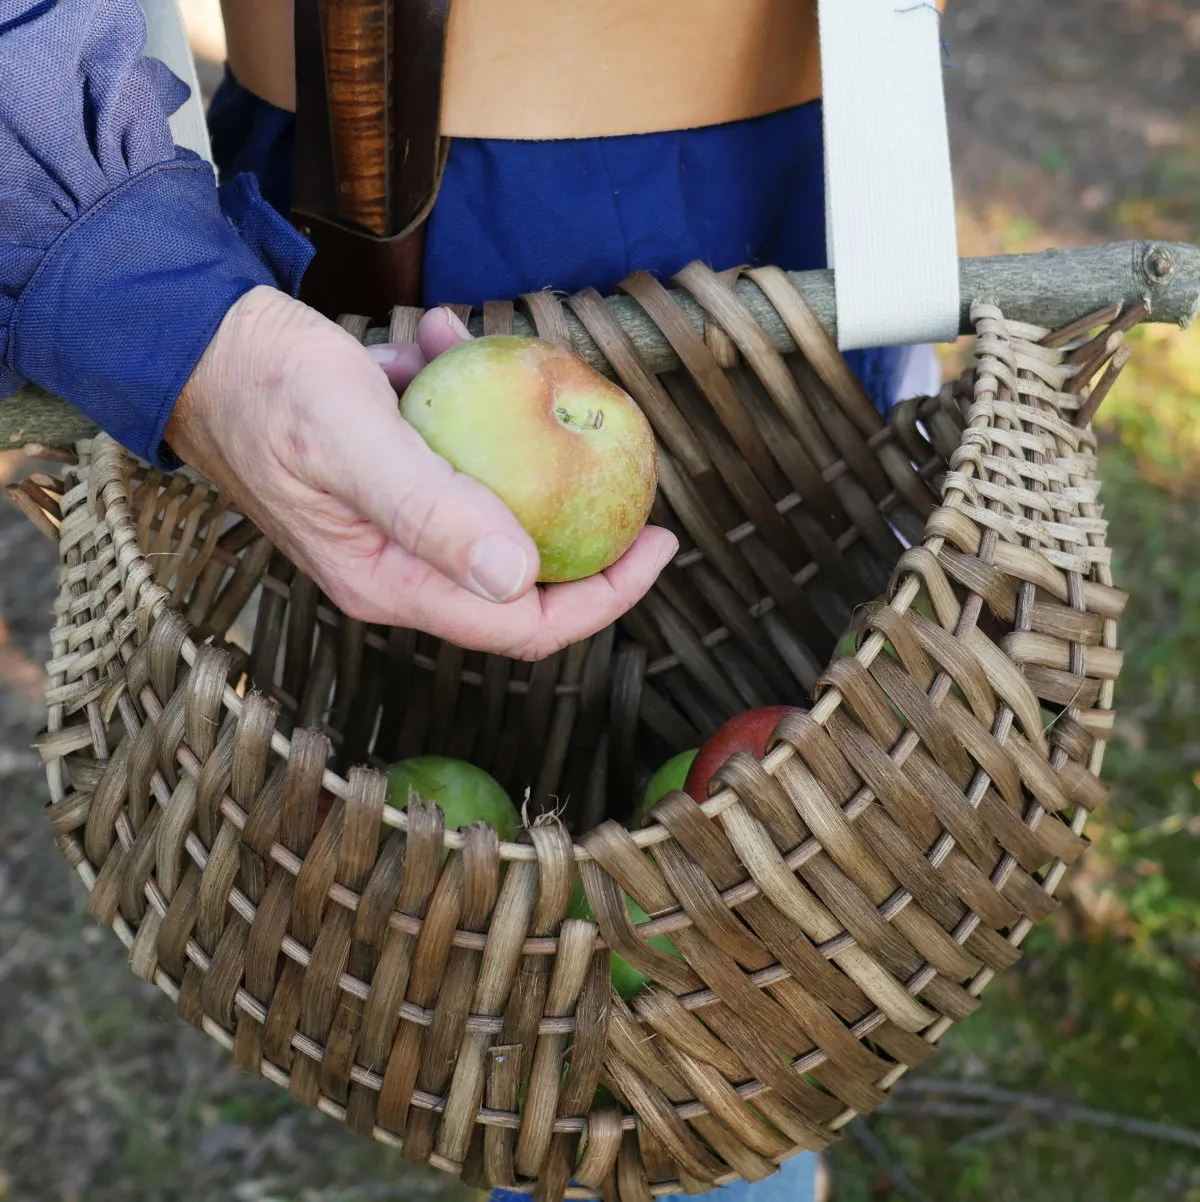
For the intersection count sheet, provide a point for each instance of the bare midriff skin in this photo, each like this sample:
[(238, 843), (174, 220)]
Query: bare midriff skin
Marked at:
[(581, 68), (261, 48)]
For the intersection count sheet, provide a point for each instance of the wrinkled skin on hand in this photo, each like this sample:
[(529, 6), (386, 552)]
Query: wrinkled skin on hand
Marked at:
[(299, 425)]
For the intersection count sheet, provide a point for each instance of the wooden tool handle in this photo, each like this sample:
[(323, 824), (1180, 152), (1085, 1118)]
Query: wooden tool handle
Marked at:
[(357, 59)]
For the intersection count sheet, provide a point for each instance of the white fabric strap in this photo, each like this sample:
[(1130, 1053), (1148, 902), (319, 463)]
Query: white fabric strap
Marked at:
[(167, 41), (889, 197)]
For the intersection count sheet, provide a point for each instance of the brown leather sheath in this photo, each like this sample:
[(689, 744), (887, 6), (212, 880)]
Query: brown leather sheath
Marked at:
[(368, 151)]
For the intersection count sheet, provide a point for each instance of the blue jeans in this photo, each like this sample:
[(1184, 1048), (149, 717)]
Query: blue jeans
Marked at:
[(796, 1181)]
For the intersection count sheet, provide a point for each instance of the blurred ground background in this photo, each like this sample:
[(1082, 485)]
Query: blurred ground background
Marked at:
[(1073, 121)]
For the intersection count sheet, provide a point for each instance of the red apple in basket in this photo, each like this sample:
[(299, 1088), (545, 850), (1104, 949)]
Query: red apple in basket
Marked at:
[(566, 450), (743, 732), (325, 803)]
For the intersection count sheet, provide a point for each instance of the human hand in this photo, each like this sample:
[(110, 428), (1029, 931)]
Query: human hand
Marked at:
[(299, 425)]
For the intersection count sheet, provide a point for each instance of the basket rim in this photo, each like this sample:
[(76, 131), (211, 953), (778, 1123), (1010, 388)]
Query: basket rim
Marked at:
[(109, 457)]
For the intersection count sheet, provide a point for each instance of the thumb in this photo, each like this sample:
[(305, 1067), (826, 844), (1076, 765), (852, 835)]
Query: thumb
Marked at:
[(415, 498), (437, 331)]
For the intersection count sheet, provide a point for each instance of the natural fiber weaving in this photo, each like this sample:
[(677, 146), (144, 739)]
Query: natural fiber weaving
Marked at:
[(836, 907)]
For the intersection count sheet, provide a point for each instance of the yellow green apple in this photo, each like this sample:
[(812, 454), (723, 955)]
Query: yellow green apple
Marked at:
[(566, 450)]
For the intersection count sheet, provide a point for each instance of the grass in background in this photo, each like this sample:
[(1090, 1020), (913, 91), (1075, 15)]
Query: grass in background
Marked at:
[(1104, 1009), (1155, 412)]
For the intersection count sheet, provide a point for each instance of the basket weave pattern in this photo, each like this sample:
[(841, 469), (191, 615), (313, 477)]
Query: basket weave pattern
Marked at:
[(836, 906)]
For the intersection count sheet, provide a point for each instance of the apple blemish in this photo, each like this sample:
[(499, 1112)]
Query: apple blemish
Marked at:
[(590, 421)]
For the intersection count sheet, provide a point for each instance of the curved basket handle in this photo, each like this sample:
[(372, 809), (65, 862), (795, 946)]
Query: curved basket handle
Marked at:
[(889, 198)]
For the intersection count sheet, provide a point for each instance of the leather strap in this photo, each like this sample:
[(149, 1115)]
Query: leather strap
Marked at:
[(340, 189), (419, 151)]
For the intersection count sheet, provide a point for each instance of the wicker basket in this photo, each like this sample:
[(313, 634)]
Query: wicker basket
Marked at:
[(837, 906)]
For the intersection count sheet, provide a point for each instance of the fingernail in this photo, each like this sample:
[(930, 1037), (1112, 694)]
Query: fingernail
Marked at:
[(384, 354), (456, 324), (498, 567)]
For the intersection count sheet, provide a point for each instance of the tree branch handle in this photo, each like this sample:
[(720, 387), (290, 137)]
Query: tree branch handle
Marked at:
[(1050, 289)]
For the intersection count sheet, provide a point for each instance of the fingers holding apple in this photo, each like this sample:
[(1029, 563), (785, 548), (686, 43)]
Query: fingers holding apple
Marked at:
[(559, 496)]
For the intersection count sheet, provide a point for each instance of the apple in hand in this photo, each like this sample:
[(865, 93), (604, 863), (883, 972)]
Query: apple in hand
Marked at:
[(743, 732), (671, 775), (566, 450)]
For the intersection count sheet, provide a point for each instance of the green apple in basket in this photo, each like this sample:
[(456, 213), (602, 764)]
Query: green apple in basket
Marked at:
[(566, 450), (672, 775), (853, 637), (626, 979), (464, 793), (987, 622)]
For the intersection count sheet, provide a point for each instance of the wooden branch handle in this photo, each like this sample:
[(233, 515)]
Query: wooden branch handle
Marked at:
[(1048, 289)]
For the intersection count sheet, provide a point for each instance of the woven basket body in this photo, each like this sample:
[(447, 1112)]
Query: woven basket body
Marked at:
[(835, 907)]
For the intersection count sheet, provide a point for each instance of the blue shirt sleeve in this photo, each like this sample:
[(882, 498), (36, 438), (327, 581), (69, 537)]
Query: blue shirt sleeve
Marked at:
[(119, 256)]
